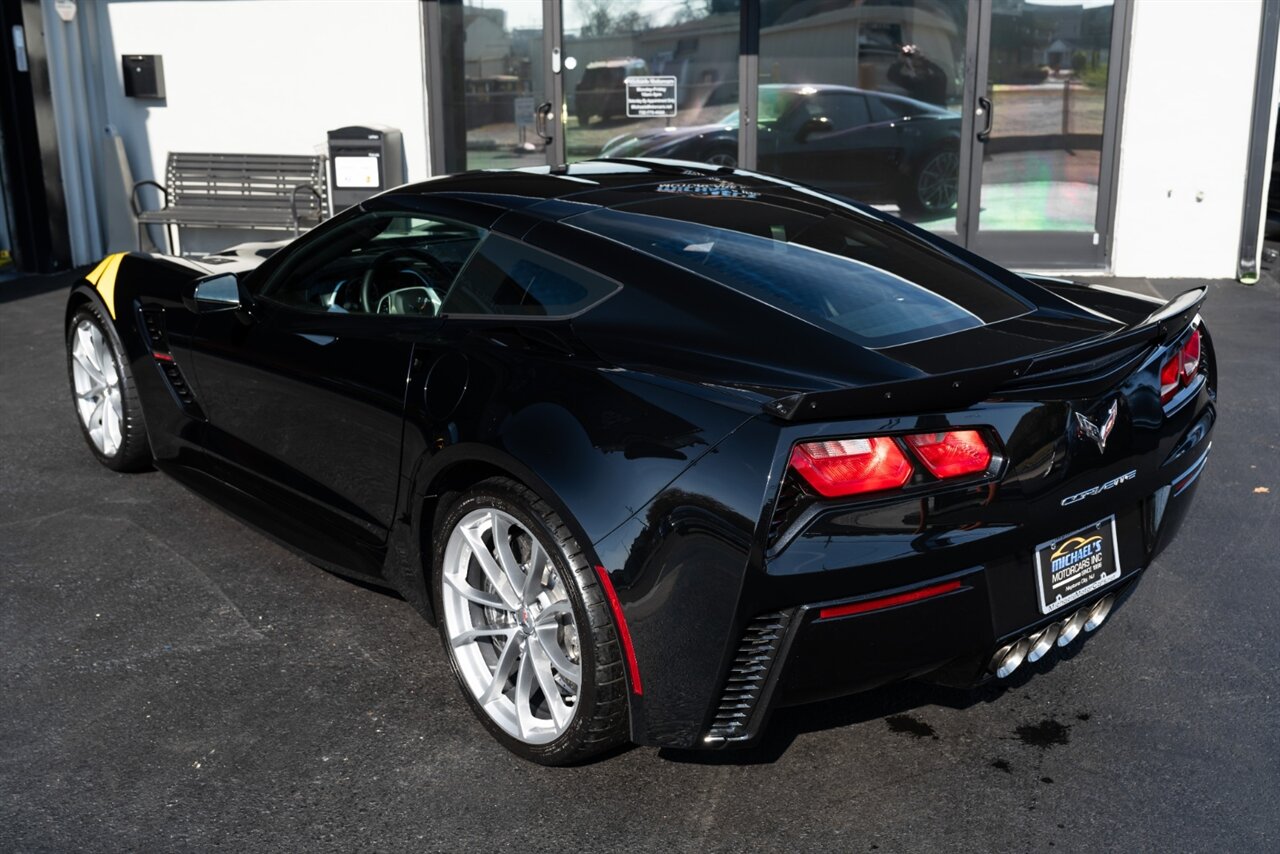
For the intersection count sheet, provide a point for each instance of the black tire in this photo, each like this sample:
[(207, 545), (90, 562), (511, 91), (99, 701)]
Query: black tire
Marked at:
[(133, 453), (723, 156), (922, 194), (600, 718)]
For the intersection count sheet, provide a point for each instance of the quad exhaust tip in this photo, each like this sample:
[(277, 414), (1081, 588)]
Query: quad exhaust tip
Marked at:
[(1036, 646)]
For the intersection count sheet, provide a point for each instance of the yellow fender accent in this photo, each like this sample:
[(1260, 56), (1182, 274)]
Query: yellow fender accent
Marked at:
[(103, 277)]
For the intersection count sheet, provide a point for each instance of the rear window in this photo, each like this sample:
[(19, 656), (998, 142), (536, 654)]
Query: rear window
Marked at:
[(830, 270)]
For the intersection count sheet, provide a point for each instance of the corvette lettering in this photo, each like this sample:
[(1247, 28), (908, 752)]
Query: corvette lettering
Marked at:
[(1100, 488)]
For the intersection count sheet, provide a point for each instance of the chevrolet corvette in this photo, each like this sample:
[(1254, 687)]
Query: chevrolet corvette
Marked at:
[(661, 447)]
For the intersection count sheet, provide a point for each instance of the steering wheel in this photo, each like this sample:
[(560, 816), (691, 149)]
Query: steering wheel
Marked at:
[(369, 288)]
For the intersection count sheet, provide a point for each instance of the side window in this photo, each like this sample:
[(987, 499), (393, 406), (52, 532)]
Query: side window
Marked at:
[(844, 111), (507, 277), (378, 263), (885, 109)]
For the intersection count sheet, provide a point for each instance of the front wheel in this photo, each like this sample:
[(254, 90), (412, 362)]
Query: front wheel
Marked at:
[(527, 628), (934, 186), (103, 392), (723, 156)]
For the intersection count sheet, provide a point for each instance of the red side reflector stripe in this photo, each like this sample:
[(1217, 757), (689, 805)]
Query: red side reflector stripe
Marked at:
[(624, 634), (163, 357), (889, 601)]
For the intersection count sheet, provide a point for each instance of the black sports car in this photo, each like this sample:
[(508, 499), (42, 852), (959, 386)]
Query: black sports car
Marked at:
[(662, 447), (875, 146)]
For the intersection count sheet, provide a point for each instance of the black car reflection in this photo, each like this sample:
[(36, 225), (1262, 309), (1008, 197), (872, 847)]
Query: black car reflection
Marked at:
[(874, 146)]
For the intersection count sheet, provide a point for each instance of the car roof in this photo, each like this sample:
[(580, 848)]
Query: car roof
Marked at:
[(547, 193), (819, 88)]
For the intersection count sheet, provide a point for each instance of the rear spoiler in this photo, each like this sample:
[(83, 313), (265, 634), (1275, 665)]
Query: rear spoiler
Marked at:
[(962, 389)]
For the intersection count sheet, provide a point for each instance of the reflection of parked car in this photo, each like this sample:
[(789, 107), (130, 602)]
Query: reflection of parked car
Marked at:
[(602, 92), (875, 146)]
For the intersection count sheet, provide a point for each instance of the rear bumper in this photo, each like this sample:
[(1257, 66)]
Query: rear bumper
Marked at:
[(953, 637), (722, 576)]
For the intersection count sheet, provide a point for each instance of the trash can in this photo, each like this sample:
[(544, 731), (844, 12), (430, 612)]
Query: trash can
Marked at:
[(364, 161)]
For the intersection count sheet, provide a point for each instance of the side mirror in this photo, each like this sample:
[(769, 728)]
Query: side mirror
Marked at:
[(817, 124), (219, 292)]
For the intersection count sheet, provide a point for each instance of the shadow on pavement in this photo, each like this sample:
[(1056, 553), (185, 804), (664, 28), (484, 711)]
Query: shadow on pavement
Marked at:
[(30, 286)]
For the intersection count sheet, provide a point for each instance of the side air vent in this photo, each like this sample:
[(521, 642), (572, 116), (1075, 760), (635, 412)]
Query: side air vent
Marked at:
[(153, 322), (784, 511), (749, 678), (158, 339)]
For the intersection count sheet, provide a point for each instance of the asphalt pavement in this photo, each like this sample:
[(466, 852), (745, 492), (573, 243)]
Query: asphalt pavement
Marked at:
[(172, 681)]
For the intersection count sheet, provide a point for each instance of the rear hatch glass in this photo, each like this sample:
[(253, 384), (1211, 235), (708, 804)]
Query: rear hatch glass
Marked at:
[(863, 280)]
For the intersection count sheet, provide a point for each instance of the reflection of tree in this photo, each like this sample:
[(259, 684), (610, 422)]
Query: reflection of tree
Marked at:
[(598, 19)]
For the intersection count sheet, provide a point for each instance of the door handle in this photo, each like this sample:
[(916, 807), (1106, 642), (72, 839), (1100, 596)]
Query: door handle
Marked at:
[(984, 104), (540, 117)]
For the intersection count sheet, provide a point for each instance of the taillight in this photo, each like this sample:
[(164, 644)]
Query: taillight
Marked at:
[(1181, 367), (951, 454), (1191, 357), (844, 467), (1170, 379), (851, 466)]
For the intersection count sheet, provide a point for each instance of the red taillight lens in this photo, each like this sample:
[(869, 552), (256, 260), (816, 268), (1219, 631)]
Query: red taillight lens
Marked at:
[(1191, 357), (953, 453), (1181, 368), (851, 466), (1170, 379)]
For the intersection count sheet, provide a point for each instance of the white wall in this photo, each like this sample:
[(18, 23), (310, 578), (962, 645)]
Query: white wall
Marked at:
[(266, 76), (1185, 137)]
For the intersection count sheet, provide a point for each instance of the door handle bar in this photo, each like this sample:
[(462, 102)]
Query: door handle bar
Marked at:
[(985, 104), (540, 117)]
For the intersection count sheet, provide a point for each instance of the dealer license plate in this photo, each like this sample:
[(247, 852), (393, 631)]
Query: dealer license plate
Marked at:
[(1076, 564)]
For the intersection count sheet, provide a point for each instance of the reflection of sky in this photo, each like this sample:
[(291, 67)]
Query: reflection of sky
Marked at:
[(1087, 4), (527, 14)]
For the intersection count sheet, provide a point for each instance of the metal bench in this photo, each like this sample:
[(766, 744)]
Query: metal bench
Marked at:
[(251, 191)]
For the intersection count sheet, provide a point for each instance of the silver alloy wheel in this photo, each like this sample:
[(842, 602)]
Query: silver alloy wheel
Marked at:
[(511, 626), (937, 185), (722, 158), (97, 387)]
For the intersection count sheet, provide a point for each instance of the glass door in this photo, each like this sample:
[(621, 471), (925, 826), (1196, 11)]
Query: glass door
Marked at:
[(868, 100), (651, 78), (1041, 163), (496, 95)]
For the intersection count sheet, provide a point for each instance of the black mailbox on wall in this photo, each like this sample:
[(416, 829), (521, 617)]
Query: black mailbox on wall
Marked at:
[(143, 75), (364, 161)]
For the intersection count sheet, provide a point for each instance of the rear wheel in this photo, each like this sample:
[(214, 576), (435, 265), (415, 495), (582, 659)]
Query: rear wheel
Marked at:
[(102, 388), (526, 626)]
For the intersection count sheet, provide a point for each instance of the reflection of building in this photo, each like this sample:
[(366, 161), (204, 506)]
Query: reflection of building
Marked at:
[(488, 44), (700, 54), (1062, 39)]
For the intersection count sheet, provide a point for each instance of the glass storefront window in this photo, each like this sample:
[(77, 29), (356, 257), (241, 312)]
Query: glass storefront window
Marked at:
[(864, 98), (682, 61), (490, 106), (1047, 81)]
